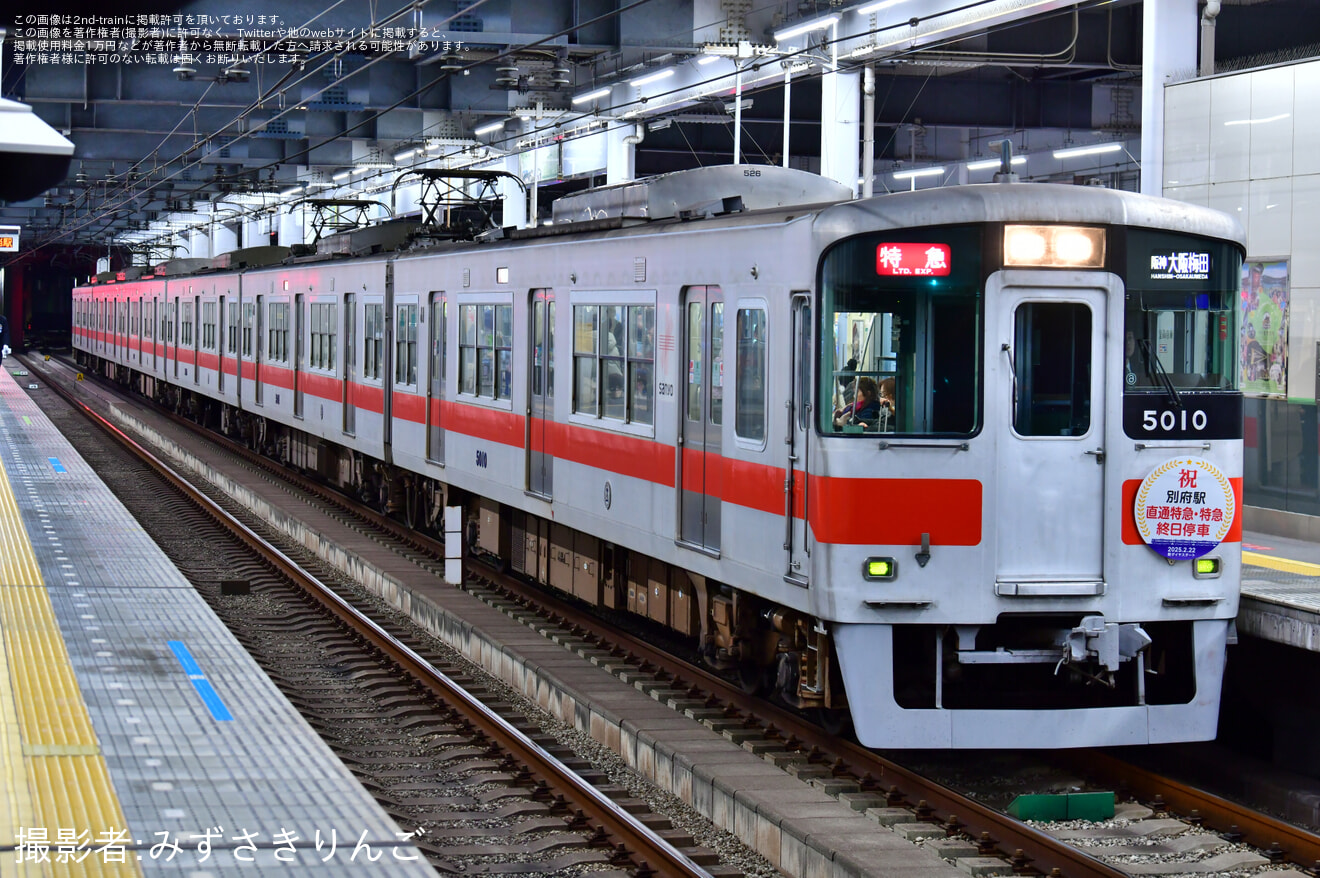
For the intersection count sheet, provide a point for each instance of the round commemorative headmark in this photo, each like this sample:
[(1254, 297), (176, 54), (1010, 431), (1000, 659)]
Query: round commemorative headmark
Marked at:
[(1184, 508)]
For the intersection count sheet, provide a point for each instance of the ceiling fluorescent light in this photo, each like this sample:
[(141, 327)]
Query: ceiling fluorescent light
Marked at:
[(800, 29), (919, 172), (493, 126), (1257, 121), (342, 176), (652, 77), (994, 163), (876, 7), (591, 96), (707, 59), (290, 193), (405, 155), (1087, 150)]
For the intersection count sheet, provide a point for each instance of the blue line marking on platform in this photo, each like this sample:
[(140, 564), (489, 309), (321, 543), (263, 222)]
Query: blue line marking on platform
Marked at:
[(55, 462), (212, 700), (210, 697)]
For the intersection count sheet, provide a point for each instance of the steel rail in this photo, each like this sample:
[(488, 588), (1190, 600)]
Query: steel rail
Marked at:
[(1027, 848), (1276, 839), (652, 851)]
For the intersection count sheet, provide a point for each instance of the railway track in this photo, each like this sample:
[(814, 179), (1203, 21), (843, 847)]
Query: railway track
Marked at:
[(464, 736), (899, 796)]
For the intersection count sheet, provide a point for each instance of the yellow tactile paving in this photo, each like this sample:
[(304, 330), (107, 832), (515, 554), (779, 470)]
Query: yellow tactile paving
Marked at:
[(18, 565), (1286, 565), (50, 763)]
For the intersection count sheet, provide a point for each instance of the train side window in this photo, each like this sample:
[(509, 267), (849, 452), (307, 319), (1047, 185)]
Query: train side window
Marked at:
[(405, 345), (641, 363), (249, 321), (586, 325), (324, 326), (1052, 351), (373, 340), (232, 336), (467, 349), (749, 380), (208, 325), (277, 347)]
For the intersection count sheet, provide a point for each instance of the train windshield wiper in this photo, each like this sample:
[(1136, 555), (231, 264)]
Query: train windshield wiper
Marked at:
[(1153, 364)]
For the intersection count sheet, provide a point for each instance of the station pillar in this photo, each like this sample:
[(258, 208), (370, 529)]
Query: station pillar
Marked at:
[(840, 126), (1170, 30)]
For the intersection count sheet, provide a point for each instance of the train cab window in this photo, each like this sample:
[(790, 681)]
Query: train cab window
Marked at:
[(749, 380), (1052, 366), (1179, 322), (910, 340)]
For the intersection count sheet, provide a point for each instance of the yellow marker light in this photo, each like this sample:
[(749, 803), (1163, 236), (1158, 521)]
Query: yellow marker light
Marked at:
[(1206, 568), (880, 568)]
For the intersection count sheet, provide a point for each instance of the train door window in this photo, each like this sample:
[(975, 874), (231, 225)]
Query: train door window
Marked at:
[(749, 379), (186, 324), (277, 328), (1052, 363), (586, 326), (405, 345), (641, 364), (373, 340), (717, 363)]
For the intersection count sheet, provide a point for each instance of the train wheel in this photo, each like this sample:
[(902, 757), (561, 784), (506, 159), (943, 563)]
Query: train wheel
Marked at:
[(836, 721), (412, 504), (754, 679)]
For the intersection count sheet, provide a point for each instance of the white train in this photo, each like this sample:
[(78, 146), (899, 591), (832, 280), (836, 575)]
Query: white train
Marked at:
[(1024, 533)]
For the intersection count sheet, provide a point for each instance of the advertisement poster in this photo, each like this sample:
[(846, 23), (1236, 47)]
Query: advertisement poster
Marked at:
[(1264, 334)]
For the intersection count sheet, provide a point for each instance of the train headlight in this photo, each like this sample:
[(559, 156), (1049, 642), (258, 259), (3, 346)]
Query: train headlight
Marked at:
[(1206, 568), (1054, 247), (880, 568)]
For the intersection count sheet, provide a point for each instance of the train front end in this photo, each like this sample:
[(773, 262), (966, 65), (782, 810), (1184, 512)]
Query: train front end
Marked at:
[(1025, 502)]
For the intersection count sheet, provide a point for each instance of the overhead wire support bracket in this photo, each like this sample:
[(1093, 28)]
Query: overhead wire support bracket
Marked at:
[(448, 208)]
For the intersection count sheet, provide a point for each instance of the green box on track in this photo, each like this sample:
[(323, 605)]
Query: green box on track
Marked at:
[(1068, 806)]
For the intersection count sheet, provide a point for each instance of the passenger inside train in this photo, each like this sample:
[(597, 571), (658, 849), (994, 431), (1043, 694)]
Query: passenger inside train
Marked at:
[(865, 410)]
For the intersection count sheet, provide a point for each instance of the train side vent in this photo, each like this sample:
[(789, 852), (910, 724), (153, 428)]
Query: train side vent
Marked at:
[(467, 277), (639, 269)]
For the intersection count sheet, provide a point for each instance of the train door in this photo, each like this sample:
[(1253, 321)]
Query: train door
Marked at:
[(195, 336), (1053, 385), (541, 412), (435, 380), (174, 333), (700, 481), (298, 355), (350, 363), (221, 339), (257, 344), (799, 432)]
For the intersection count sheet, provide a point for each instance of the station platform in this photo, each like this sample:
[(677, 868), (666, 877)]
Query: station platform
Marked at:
[(1280, 590), (137, 737)]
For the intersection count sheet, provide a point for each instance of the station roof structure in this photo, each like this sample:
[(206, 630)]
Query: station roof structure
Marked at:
[(175, 105)]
